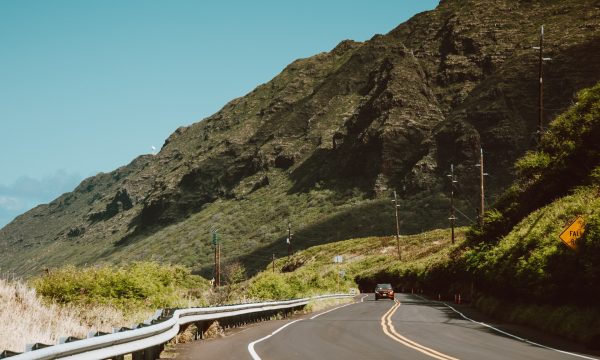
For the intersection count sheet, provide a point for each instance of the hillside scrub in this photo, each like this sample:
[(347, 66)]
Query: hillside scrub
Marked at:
[(532, 264), (517, 255), (528, 277), (142, 285), (515, 266), (312, 271), (568, 156)]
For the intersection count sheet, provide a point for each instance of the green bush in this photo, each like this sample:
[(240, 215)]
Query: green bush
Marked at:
[(270, 286), (532, 165), (304, 282), (142, 284)]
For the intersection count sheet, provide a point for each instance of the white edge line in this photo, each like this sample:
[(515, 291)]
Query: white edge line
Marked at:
[(362, 298), (251, 350), (520, 338), (511, 335), (325, 312)]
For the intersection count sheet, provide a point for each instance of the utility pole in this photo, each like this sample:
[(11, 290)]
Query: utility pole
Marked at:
[(396, 206), (289, 240), (452, 218), (219, 264), (273, 263), (217, 246), (540, 129), (482, 174)]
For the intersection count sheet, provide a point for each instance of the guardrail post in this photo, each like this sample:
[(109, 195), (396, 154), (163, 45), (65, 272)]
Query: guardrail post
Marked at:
[(202, 327), (199, 329), (151, 353)]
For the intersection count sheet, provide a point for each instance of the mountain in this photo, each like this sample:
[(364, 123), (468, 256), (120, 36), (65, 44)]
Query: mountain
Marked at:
[(324, 143)]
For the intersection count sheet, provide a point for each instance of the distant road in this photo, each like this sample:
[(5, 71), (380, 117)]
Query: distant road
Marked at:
[(408, 328)]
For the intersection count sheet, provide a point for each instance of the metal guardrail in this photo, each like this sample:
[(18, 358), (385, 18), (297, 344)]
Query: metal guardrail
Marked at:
[(146, 340)]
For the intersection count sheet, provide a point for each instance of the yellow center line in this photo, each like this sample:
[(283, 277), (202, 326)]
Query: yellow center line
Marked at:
[(389, 330)]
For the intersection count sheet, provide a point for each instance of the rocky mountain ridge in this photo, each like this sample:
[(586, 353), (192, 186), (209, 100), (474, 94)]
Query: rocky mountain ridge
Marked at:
[(343, 127)]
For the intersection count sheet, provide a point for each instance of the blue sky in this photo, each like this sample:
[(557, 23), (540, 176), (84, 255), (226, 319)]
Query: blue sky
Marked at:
[(86, 86)]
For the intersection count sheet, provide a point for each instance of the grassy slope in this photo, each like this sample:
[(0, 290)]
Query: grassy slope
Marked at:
[(532, 263), (314, 270), (317, 216)]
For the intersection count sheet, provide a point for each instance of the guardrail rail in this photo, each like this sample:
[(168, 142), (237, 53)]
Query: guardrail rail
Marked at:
[(147, 340)]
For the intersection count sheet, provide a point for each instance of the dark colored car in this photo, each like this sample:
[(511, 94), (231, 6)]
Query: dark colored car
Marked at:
[(384, 291)]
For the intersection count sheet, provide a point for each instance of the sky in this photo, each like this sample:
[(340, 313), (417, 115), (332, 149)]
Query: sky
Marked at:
[(87, 86)]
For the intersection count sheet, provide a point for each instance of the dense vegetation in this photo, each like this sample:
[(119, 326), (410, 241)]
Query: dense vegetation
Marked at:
[(518, 248), (568, 156), (313, 271), (515, 266), (144, 285)]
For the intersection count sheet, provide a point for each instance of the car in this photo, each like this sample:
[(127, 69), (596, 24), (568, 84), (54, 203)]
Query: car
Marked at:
[(384, 291)]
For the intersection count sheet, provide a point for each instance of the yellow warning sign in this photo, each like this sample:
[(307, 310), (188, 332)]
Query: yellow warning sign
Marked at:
[(573, 232)]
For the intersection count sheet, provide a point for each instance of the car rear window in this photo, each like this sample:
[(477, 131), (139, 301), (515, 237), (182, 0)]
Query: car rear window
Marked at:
[(384, 286)]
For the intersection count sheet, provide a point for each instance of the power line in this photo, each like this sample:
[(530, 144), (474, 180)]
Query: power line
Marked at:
[(468, 218)]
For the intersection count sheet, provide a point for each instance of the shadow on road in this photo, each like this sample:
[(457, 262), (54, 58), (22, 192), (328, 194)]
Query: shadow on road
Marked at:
[(452, 318)]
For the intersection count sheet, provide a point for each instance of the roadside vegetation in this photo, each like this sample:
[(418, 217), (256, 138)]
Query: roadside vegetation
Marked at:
[(134, 287), (72, 301), (515, 267), (313, 271)]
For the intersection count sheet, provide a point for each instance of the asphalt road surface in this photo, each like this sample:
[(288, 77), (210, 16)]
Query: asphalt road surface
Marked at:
[(409, 327)]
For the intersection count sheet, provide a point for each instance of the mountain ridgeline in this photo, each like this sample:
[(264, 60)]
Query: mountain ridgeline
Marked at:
[(325, 142)]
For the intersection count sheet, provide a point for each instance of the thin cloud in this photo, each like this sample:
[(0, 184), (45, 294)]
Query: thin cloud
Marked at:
[(27, 192), (10, 203)]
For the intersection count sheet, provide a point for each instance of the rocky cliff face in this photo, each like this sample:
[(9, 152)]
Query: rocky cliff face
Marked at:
[(343, 127)]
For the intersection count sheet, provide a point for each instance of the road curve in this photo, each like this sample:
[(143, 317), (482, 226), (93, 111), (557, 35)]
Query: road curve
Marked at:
[(408, 328)]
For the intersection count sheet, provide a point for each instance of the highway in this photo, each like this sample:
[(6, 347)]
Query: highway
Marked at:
[(409, 327)]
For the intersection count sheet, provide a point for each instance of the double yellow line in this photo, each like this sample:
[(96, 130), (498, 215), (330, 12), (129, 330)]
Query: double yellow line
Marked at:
[(388, 329)]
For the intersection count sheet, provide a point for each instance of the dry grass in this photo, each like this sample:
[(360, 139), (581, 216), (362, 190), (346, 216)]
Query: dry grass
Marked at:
[(26, 318)]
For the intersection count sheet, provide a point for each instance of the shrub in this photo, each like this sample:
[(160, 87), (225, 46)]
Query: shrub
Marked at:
[(270, 286), (142, 284)]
